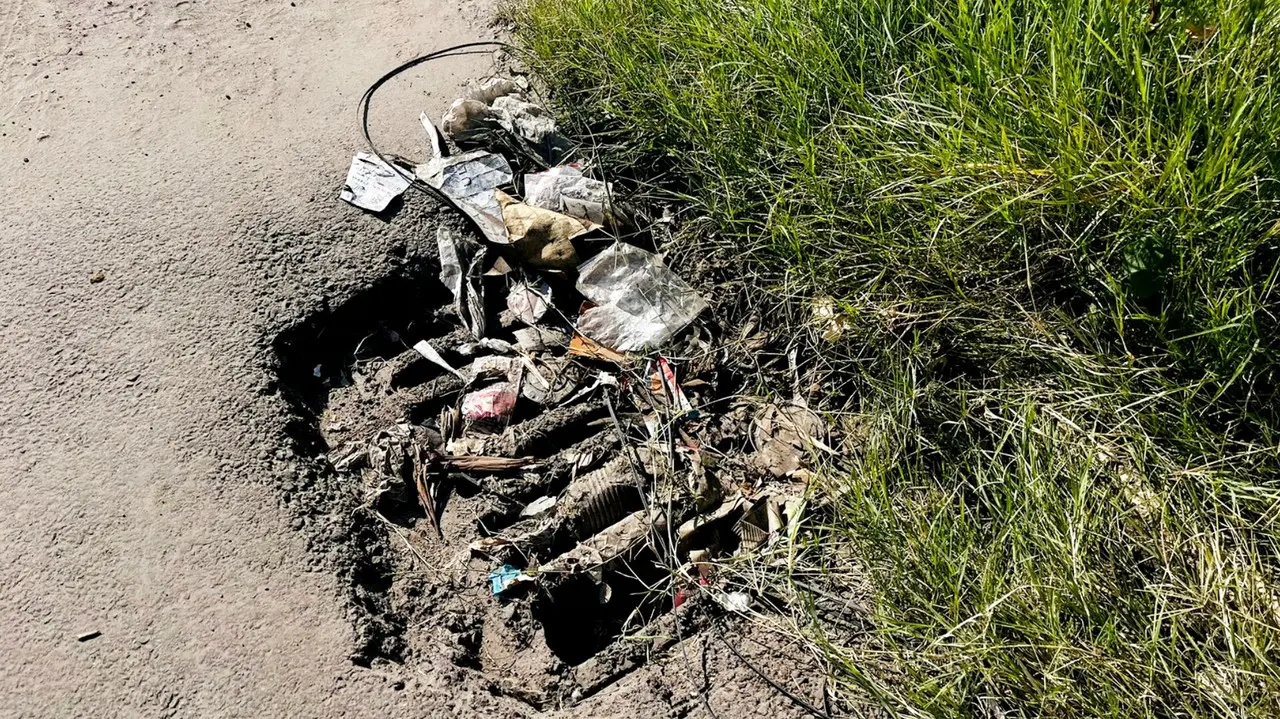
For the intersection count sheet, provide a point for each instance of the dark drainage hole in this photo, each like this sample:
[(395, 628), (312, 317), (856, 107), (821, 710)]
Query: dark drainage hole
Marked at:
[(581, 618)]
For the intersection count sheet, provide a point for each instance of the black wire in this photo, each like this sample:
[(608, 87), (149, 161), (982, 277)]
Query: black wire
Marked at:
[(367, 98)]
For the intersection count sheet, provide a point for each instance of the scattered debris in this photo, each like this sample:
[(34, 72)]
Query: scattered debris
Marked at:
[(372, 184), (86, 636), (566, 190), (639, 302), (592, 466), (425, 349), (542, 238), (471, 181), (529, 301), (460, 262)]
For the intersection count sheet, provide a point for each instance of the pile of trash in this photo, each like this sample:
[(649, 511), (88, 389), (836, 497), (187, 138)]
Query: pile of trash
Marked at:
[(554, 315)]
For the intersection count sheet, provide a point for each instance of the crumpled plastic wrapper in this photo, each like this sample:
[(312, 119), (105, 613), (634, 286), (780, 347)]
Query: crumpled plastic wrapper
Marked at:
[(490, 406), (566, 190), (492, 89), (461, 263), (525, 120), (470, 180), (468, 120), (640, 303), (372, 184), (529, 301)]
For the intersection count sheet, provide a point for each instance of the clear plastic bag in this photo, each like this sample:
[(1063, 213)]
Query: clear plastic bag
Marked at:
[(640, 303)]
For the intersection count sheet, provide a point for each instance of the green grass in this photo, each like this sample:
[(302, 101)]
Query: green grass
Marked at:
[(1051, 227)]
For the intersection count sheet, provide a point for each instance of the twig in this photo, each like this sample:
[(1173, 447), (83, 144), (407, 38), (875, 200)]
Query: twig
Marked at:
[(420, 478)]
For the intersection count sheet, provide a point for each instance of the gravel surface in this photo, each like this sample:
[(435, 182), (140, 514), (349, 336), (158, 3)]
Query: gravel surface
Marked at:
[(187, 156)]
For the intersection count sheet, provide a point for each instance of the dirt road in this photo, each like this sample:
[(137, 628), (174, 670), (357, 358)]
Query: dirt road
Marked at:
[(191, 153)]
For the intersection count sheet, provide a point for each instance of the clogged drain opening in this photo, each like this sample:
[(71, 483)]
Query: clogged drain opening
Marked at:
[(555, 496), (581, 617), (349, 369)]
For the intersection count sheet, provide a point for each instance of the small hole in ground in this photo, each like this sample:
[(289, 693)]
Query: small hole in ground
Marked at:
[(578, 625)]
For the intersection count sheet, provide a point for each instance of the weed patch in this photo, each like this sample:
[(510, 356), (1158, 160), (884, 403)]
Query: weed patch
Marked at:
[(1049, 230)]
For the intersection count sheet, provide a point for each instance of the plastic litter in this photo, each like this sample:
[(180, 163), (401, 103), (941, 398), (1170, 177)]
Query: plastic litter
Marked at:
[(640, 303), (529, 301), (538, 506), (433, 135), (506, 577), (425, 349), (491, 367), (663, 384), (524, 119), (582, 346), (461, 260), (470, 180), (566, 190), (470, 349), (371, 183), (490, 408), (492, 89), (735, 601), (541, 238), (468, 120)]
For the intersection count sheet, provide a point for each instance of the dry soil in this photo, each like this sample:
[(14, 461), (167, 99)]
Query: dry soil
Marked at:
[(171, 170)]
